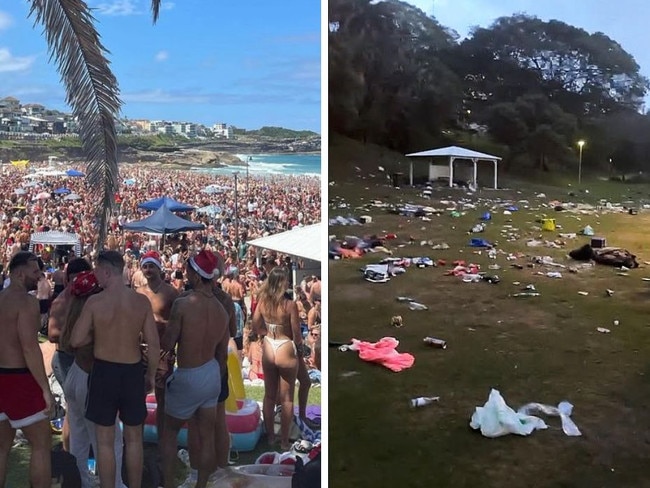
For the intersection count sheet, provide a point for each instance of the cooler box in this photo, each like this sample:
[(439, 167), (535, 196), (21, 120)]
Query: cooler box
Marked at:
[(598, 242)]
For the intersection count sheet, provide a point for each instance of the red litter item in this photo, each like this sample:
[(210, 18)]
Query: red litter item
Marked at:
[(441, 262), (459, 262), (390, 236)]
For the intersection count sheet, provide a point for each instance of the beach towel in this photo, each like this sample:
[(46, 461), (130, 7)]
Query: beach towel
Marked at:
[(383, 352)]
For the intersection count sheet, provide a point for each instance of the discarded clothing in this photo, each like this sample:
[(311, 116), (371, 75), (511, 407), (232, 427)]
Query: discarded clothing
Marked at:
[(611, 256), (383, 352)]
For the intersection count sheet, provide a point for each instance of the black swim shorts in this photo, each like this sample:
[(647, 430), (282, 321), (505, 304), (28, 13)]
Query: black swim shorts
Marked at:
[(113, 388)]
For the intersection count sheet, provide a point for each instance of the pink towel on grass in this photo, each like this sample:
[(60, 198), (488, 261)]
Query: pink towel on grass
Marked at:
[(384, 353)]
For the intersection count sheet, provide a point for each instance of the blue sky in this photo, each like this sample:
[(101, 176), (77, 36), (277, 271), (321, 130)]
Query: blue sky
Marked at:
[(623, 20), (248, 63)]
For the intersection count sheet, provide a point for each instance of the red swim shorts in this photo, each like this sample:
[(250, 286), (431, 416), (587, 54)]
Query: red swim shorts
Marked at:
[(21, 399)]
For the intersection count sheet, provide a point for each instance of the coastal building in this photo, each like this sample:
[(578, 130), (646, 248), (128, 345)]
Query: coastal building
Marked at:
[(223, 130)]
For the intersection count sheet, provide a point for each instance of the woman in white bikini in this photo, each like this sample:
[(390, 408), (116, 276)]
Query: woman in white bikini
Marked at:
[(276, 318)]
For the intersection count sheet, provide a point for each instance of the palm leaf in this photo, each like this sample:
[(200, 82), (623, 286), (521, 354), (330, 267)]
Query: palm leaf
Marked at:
[(91, 91), (155, 9)]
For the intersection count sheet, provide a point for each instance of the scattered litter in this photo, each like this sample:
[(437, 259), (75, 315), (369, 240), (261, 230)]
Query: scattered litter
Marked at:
[(433, 342), (526, 294), (423, 401), (496, 418), (382, 352), (609, 292), (603, 330), (616, 322), (417, 306), (348, 374), (583, 293), (396, 321), (554, 274), (405, 299)]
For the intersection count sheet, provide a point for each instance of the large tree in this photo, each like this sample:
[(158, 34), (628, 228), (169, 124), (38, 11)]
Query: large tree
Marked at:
[(387, 83), (92, 92), (536, 130), (586, 74)]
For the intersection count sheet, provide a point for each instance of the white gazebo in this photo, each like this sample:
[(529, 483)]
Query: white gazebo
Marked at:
[(454, 153)]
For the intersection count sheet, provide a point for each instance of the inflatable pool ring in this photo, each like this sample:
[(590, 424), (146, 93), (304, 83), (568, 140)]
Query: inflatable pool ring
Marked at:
[(243, 415)]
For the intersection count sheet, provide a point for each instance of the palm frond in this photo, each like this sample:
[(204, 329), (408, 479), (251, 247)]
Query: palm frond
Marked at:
[(91, 91), (155, 9)]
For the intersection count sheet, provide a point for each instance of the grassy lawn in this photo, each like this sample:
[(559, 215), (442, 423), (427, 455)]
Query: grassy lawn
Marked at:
[(19, 457), (544, 349)]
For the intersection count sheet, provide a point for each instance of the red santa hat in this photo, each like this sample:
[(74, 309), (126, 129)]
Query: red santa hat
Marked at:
[(205, 264), (151, 257)]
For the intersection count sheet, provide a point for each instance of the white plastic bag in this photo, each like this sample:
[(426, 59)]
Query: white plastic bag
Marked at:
[(496, 419), (563, 411)]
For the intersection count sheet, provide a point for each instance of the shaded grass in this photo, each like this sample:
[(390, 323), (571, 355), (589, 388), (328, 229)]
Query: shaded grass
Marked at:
[(17, 474), (543, 349)]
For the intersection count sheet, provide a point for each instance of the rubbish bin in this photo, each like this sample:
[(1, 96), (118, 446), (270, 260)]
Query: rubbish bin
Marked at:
[(397, 179)]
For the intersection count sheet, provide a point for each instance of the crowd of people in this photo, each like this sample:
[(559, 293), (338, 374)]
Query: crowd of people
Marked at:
[(138, 317)]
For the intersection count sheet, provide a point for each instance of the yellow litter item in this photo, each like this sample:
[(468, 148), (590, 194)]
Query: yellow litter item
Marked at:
[(548, 224)]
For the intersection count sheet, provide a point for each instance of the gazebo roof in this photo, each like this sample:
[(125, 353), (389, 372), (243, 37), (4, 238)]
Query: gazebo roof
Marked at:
[(455, 152)]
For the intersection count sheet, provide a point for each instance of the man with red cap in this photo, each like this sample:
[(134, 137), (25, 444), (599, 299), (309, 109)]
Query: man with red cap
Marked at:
[(199, 325), (161, 295)]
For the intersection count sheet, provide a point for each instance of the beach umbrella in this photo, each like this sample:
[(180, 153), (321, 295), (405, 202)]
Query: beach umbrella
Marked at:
[(168, 202), (74, 173), (72, 196), (32, 184), (213, 190), (20, 191), (129, 182), (210, 210), (61, 191), (42, 196)]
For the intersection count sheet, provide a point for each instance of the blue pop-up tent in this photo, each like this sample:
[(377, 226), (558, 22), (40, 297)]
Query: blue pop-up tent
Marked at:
[(163, 221), (168, 202), (74, 172)]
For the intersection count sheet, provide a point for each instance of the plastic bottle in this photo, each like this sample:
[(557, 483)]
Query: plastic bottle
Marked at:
[(423, 401)]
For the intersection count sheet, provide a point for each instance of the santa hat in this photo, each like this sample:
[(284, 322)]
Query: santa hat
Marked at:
[(84, 284), (151, 257), (205, 264)]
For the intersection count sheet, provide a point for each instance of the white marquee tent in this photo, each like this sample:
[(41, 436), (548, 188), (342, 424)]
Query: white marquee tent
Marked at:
[(453, 153), (301, 242), (56, 238)]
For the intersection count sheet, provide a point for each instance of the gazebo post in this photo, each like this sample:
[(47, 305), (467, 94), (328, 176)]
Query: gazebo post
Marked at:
[(451, 171), (475, 173), (496, 163), (411, 172)]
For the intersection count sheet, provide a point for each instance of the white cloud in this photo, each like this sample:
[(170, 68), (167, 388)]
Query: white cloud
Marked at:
[(5, 20), (10, 63), (161, 56), (119, 8), (166, 5)]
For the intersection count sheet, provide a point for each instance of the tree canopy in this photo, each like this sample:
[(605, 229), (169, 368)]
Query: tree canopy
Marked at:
[(399, 78)]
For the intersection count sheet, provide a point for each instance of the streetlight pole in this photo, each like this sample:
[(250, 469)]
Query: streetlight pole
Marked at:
[(235, 174), (248, 197), (581, 143)]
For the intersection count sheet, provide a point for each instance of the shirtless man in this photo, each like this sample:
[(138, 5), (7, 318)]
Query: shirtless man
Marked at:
[(161, 296), (25, 398), (234, 287), (222, 436), (61, 360), (58, 278), (199, 325), (115, 319)]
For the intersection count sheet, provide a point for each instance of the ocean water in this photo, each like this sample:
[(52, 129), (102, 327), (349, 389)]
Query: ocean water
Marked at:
[(278, 164)]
